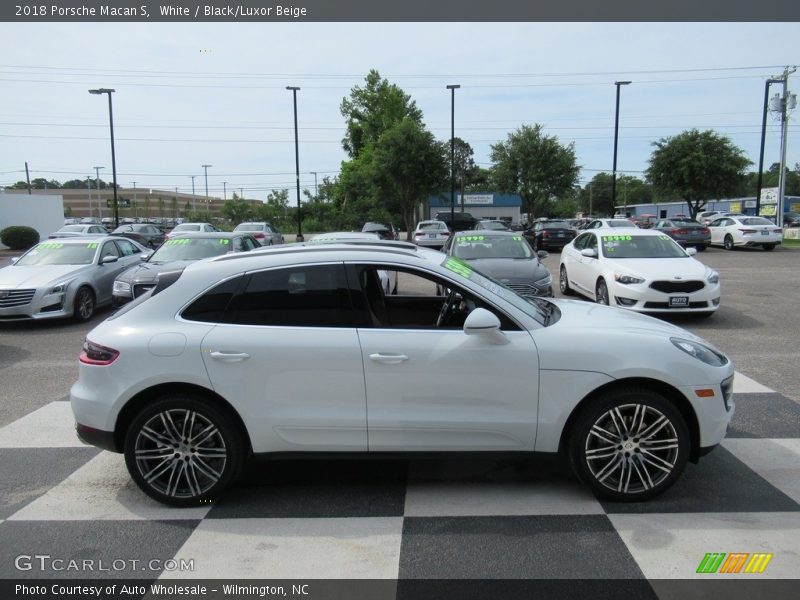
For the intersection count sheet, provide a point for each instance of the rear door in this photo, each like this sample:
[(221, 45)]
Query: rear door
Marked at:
[(286, 354)]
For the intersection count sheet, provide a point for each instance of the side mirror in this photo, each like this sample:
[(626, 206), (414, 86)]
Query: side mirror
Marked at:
[(484, 323), (691, 251), (14, 259), (542, 254), (108, 259), (589, 252), (146, 255)]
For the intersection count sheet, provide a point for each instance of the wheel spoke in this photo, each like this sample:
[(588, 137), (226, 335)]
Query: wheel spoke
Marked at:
[(178, 468), (625, 475), (206, 469), (648, 433), (152, 453), (604, 452), (618, 420), (657, 445), (608, 469), (159, 469), (191, 479), (203, 435), (636, 429), (211, 453), (646, 484), (605, 435), (188, 424), (169, 426), (156, 437), (657, 462)]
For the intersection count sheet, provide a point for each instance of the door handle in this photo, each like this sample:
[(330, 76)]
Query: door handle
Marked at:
[(229, 356), (388, 359)]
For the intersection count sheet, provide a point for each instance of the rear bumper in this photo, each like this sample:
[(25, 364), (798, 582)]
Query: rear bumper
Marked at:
[(97, 437)]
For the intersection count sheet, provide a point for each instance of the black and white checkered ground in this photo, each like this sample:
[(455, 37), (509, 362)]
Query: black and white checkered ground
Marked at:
[(431, 519)]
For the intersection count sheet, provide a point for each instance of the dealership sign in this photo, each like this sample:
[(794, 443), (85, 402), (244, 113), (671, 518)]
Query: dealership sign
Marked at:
[(477, 199)]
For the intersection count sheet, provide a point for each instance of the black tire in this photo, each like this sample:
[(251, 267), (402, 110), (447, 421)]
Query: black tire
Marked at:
[(768, 247), (83, 304), (706, 315), (635, 468), (728, 242), (702, 248), (563, 282), (153, 457), (601, 292)]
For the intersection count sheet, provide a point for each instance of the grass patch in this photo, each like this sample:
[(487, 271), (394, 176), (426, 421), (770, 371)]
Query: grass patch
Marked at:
[(791, 243)]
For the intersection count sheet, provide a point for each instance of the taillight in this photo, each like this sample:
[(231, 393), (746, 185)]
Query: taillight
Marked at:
[(679, 231), (777, 231), (260, 235), (747, 231), (95, 354), (545, 234), (705, 231)]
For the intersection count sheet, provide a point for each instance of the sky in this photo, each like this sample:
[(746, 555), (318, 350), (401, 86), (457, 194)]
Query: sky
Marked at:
[(189, 94)]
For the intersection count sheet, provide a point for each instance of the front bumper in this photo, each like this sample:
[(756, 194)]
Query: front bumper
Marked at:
[(641, 298), (21, 304)]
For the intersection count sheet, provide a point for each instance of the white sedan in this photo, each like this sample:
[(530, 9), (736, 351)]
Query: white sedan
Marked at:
[(732, 231), (641, 270), (298, 350)]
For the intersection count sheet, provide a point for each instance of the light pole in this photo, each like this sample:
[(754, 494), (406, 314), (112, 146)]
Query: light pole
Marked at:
[(89, 192), (314, 173), (194, 200), (616, 135), (297, 163), (134, 201), (205, 167), (224, 191), (759, 179), (453, 89), (113, 157), (97, 182)]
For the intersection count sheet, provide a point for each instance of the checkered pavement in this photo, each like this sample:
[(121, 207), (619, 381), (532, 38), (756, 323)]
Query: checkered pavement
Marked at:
[(406, 519)]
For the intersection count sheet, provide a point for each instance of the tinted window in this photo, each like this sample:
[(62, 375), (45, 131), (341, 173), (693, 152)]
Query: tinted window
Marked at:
[(302, 296), (109, 249), (582, 240), (126, 248), (210, 307)]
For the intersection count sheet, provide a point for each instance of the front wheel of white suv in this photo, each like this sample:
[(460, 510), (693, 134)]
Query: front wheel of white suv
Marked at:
[(630, 445), (182, 450)]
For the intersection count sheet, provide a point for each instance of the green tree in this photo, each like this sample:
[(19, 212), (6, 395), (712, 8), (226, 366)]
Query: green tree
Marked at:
[(535, 166), (236, 210), (372, 109), (407, 164), (770, 179), (39, 183), (173, 205), (162, 207), (697, 167), (595, 197)]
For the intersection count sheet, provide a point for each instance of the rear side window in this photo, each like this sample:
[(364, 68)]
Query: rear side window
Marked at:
[(302, 296), (210, 307)]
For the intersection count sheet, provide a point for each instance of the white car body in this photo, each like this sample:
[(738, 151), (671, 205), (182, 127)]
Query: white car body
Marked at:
[(744, 231), (78, 230), (509, 379), (615, 223), (654, 285), (431, 234)]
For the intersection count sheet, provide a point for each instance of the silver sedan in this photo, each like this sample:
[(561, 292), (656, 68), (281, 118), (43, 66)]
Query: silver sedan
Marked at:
[(65, 277)]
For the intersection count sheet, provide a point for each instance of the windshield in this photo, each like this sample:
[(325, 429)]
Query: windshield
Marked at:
[(59, 253), (190, 249), (641, 246), (73, 228), (620, 223), (472, 247), (431, 226), (556, 225), (249, 227), (493, 225), (539, 309)]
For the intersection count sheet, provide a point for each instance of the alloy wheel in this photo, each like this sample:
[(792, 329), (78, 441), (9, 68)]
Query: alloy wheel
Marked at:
[(601, 292)]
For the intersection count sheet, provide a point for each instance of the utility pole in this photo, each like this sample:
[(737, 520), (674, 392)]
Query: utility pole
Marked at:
[(591, 189), (28, 177), (97, 182), (788, 101), (136, 204), (194, 202), (224, 191), (314, 173), (89, 192)]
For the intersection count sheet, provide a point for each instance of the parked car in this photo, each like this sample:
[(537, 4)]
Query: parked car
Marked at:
[(551, 234), (492, 224), (462, 221), (107, 222), (705, 217), (504, 256), (90, 221), (645, 221), (176, 253), (386, 231), (790, 218), (264, 232), (188, 227), (432, 234), (686, 232), (147, 235), (732, 231), (78, 231), (641, 270), (604, 223), (68, 277), (71, 221), (176, 379)]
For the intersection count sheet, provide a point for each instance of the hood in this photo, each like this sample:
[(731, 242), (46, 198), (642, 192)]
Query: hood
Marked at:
[(36, 276), (661, 268), (148, 272), (507, 269)]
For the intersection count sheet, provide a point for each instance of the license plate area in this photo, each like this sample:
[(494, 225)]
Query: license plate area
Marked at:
[(678, 301), (765, 232)]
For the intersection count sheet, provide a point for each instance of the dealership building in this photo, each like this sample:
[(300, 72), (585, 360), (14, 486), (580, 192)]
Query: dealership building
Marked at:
[(481, 205)]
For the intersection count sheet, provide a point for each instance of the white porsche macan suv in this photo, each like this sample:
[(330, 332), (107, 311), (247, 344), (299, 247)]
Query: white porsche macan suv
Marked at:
[(298, 351)]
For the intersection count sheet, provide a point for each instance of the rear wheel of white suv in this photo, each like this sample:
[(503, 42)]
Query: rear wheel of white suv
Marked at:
[(182, 450)]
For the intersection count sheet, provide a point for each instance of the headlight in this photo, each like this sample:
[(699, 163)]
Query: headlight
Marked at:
[(546, 280), (122, 288), (59, 288), (713, 277), (700, 352), (626, 279)]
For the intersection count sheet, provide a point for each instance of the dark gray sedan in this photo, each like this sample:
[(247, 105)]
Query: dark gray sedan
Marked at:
[(175, 254), (505, 256), (686, 232)]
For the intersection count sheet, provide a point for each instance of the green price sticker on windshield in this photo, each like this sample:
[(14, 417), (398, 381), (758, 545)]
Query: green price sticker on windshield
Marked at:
[(51, 245), (458, 266), (516, 238), (225, 242), (92, 245)]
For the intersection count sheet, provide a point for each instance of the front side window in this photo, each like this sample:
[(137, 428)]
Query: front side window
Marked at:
[(109, 249)]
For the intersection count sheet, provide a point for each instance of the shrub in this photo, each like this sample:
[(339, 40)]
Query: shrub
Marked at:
[(19, 237)]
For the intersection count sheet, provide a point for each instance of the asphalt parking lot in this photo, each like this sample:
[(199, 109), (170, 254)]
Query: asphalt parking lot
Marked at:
[(419, 519)]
